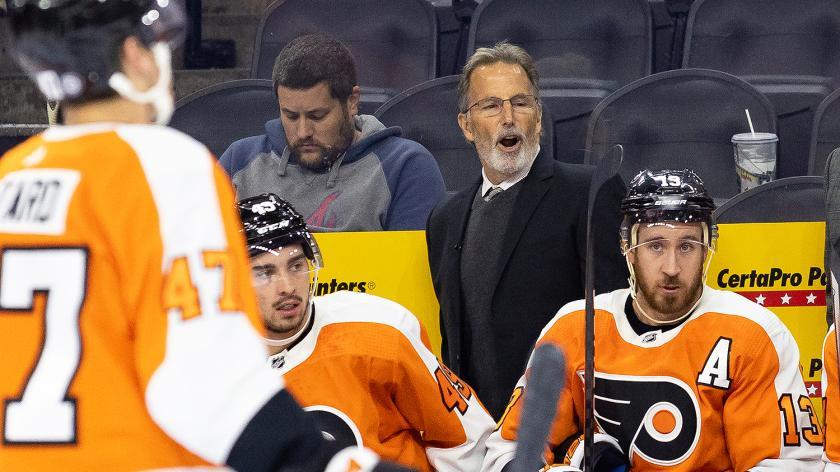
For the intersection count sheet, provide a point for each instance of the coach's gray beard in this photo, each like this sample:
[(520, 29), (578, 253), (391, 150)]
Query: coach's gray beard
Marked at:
[(511, 164)]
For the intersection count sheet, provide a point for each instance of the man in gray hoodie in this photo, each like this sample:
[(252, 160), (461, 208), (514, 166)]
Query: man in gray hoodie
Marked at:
[(341, 170)]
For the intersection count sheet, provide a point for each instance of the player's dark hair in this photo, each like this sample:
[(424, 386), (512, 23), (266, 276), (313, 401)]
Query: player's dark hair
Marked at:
[(311, 59)]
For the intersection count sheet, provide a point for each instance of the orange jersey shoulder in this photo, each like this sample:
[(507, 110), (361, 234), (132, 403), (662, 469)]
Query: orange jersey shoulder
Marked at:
[(368, 374), (82, 292)]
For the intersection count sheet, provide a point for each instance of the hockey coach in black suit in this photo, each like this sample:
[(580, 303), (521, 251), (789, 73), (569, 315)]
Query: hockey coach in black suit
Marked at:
[(508, 252)]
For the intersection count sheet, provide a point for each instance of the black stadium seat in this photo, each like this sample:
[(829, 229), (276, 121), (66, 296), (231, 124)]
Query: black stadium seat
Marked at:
[(786, 49), (394, 42), (12, 135), (571, 102), (220, 114), (799, 198), (825, 135), (765, 37), (679, 119), (587, 39), (428, 114)]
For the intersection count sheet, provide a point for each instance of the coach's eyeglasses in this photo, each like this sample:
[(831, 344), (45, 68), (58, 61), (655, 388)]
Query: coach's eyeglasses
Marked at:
[(492, 106)]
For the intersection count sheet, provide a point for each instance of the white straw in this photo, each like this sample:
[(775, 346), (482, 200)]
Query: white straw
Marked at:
[(749, 120)]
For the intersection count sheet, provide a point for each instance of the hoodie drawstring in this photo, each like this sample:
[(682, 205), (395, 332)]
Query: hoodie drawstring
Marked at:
[(334, 171), (283, 161)]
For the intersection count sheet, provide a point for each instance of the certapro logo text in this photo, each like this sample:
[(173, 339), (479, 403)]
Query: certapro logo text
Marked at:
[(782, 288), (325, 287), (779, 266), (775, 277)]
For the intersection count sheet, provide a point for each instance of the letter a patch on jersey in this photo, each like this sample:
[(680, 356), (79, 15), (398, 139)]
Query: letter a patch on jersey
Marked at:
[(715, 371)]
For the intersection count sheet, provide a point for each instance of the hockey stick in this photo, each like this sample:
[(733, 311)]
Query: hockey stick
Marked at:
[(606, 169), (539, 407), (835, 269), (833, 257)]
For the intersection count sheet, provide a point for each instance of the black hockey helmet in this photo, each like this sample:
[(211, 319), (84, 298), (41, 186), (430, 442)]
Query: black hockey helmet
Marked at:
[(71, 48), (269, 223), (667, 195)]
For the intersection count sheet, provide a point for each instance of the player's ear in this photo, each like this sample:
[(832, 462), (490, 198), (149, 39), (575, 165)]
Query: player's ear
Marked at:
[(138, 63)]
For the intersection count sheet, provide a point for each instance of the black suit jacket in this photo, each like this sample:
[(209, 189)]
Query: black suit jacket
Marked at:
[(541, 264)]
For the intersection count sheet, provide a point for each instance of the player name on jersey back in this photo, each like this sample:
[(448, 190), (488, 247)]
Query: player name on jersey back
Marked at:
[(35, 201)]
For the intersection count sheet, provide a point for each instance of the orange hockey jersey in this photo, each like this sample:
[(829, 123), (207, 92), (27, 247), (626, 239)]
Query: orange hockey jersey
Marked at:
[(365, 370), (127, 320), (831, 401), (722, 391)]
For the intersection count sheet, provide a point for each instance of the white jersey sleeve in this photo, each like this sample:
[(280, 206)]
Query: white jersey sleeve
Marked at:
[(211, 378)]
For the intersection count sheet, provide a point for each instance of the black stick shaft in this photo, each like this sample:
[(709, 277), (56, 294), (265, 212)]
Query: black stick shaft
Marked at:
[(545, 381), (607, 168)]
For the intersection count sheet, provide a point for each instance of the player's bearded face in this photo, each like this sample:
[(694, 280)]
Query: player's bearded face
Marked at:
[(281, 279), (668, 264)]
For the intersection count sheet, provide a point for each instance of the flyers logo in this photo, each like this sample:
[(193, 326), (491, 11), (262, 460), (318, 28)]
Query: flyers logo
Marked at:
[(656, 417), (336, 426)]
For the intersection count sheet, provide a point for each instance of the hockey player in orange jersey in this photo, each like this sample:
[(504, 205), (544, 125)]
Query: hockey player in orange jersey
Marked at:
[(129, 335), (360, 364), (687, 377), (831, 399)]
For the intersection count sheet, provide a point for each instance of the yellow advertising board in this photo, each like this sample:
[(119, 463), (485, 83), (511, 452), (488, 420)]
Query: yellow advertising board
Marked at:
[(390, 264), (780, 266)]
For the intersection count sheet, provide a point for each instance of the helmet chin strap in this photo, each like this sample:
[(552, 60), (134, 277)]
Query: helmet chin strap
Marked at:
[(288, 341), (160, 94), (310, 307)]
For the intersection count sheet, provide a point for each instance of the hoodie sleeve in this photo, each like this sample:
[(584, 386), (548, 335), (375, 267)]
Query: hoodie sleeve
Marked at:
[(416, 187), (242, 152), (226, 161)]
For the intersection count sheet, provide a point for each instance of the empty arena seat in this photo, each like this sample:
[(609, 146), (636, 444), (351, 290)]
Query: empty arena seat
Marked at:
[(571, 102), (800, 198), (591, 39), (825, 135), (679, 119), (223, 113), (394, 42), (764, 37)]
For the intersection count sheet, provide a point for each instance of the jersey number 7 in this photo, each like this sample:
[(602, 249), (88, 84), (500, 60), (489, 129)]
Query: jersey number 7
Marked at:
[(43, 412)]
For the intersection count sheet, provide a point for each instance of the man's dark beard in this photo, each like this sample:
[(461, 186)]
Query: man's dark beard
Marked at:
[(329, 154), (669, 306)]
